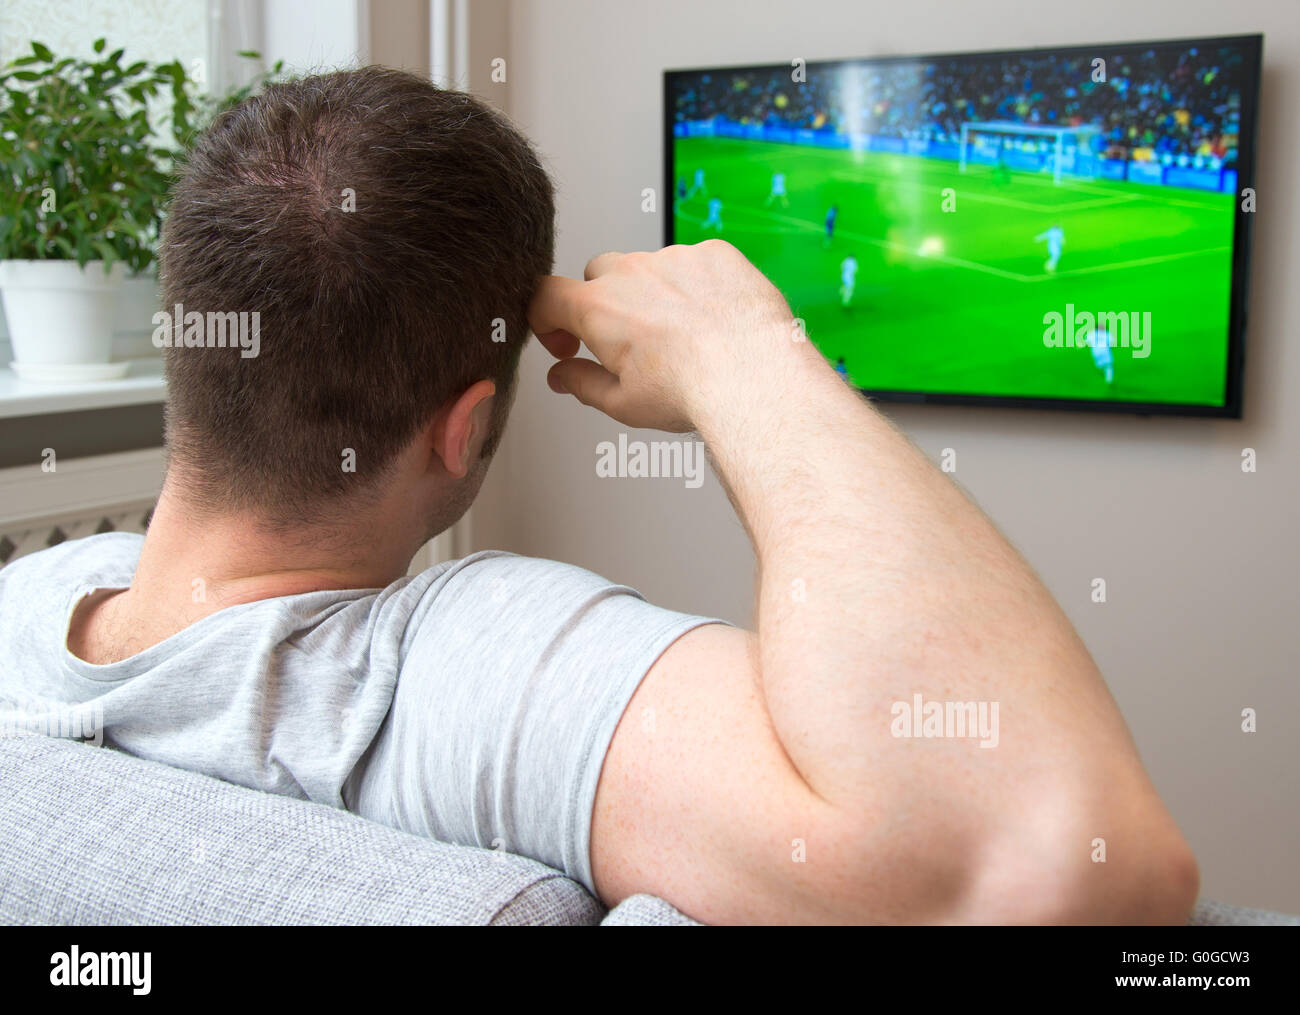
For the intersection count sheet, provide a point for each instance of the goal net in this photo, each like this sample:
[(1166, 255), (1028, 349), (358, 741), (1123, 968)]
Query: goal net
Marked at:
[(1065, 152)]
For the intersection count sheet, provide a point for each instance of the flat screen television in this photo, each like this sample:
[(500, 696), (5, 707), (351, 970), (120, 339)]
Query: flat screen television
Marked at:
[(1053, 228)]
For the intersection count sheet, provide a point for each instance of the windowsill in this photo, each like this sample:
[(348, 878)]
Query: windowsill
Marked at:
[(142, 385)]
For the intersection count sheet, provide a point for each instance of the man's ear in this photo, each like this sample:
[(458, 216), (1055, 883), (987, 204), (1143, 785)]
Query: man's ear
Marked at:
[(460, 427)]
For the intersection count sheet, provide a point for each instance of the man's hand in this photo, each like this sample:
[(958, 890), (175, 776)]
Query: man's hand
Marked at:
[(670, 331)]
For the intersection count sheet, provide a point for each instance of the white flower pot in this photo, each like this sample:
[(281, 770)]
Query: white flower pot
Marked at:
[(59, 314), (133, 326)]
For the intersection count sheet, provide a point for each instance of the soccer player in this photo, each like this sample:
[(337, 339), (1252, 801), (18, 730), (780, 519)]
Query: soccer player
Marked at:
[(1100, 343), (841, 368), (1055, 238), (831, 214), (1002, 172), (778, 192), (698, 186), (848, 279), (714, 221)]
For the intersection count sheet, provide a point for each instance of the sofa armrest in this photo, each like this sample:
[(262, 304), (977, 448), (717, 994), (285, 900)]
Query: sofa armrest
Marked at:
[(646, 911), (1220, 914)]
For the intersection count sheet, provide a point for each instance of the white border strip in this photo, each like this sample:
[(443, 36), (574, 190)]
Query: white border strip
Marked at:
[(79, 485)]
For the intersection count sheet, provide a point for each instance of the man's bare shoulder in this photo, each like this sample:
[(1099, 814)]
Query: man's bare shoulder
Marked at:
[(698, 802)]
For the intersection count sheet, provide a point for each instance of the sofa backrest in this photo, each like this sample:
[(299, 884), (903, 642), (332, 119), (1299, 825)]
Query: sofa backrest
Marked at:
[(92, 836)]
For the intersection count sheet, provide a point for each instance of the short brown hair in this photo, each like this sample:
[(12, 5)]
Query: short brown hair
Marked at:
[(372, 317)]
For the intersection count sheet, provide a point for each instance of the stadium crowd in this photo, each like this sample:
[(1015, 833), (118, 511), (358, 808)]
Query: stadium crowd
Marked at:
[(1159, 103)]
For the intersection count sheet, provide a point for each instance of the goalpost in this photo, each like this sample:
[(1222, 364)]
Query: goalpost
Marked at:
[(1070, 154)]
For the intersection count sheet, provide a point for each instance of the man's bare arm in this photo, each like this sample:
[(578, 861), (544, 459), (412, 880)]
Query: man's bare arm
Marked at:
[(768, 784)]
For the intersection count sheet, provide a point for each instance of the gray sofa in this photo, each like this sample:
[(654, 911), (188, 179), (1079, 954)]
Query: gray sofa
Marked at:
[(91, 836)]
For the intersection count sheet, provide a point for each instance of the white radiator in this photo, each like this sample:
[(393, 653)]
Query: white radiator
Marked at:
[(23, 538), (117, 493), (41, 507)]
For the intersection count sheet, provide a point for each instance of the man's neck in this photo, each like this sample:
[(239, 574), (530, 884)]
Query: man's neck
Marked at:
[(196, 557), (194, 563)]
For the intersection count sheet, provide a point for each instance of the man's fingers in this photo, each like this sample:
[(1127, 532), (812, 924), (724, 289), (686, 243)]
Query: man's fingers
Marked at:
[(585, 379), (600, 264), (555, 306), (560, 344)]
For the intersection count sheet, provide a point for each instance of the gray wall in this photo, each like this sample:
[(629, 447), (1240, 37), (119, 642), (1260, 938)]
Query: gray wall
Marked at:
[(1200, 559)]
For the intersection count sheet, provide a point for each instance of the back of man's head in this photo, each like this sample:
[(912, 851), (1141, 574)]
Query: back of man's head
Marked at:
[(389, 235)]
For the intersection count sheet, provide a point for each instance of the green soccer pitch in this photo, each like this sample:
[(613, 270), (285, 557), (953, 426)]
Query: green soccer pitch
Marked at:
[(954, 301)]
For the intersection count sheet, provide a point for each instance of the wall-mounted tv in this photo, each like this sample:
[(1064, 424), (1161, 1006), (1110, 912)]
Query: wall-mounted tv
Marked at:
[(1055, 228)]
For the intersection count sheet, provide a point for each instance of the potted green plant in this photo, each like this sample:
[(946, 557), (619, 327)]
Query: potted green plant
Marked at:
[(83, 203)]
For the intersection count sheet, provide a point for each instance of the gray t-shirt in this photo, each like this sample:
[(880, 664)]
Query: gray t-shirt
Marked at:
[(472, 703)]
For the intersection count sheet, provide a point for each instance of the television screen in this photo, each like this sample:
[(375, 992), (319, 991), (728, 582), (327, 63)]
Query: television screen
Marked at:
[(1055, 227)]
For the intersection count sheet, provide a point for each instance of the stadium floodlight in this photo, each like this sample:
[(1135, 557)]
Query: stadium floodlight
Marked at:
[(1064, 160)]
